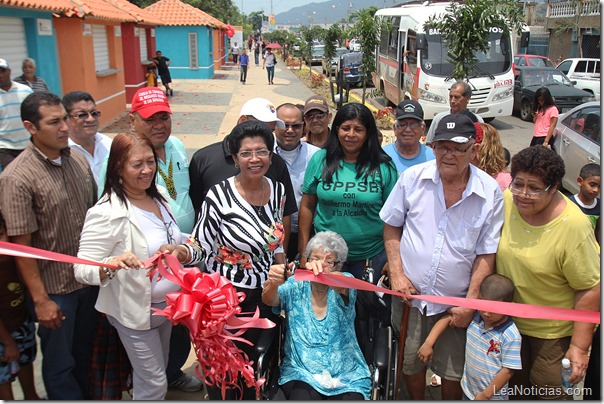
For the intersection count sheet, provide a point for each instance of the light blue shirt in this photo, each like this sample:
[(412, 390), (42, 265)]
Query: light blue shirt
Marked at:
[(182, 207), (13, 134), (322, 353), (487, 352), (439, 245), (403, 163), (296, 161)]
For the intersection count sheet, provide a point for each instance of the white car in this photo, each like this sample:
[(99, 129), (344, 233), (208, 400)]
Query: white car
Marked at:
[(586, 73), (577, 140), (354, 45)]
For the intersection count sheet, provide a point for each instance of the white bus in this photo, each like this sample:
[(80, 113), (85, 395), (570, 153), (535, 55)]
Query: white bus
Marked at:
[(412, 64)]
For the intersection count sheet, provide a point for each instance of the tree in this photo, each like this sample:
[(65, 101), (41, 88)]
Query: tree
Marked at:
[(255, 18), (466, 28), (331, 36), (309, 35), (368, 32)]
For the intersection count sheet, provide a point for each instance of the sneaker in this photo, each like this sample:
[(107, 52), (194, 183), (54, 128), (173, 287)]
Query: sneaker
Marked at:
[(186, 383)]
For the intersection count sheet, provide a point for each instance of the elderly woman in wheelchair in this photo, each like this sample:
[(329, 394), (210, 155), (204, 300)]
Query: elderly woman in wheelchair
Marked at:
[(322, 358)]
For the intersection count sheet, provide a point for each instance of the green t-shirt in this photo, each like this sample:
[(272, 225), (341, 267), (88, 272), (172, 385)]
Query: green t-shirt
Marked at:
[(350, 206)]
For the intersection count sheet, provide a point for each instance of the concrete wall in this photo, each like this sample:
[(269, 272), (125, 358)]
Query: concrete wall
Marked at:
[(78, 71), (173, 42), (42, 48)]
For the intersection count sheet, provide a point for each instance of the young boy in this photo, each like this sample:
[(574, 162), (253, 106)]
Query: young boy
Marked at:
[(492, 345), (589, 189), (17, 331)]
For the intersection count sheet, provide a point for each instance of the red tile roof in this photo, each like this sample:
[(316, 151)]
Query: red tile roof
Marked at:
[(175, 12), (49, 5), (142, 16), (101, 9)]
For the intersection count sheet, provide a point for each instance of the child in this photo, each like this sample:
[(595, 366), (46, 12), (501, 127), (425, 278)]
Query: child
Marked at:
[(492, 345), (17, 331), (151, 76), (589, 189)]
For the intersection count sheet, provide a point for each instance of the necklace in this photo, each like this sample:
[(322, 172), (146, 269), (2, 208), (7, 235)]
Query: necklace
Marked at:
[(249, 200), (168, 179)]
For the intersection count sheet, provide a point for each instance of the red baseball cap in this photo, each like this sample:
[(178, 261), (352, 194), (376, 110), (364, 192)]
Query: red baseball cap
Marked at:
[(148, 101)]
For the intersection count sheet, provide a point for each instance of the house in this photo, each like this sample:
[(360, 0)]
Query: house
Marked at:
[(574, 27), (192, 39), (27, 30), (138, 45), (91, 56)]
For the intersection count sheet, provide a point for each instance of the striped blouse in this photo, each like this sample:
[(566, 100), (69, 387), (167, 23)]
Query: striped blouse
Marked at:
[(235, 238), (38, 85)]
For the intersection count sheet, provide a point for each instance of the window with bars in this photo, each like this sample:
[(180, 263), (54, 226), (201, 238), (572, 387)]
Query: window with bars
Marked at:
[(193, 53)]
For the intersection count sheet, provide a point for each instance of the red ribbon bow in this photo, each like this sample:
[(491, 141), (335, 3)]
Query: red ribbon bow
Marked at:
[(208, 305)]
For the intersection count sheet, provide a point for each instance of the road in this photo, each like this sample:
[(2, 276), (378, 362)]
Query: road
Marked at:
[(515, 133)]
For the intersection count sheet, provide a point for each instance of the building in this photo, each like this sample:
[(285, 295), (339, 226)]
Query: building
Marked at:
[(574, 27)]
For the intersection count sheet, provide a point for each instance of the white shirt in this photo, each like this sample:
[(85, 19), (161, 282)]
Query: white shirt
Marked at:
[(102, 145), (439, 245)]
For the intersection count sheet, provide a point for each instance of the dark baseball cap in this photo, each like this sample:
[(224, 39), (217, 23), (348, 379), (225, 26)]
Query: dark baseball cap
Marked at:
[(409, 109), (456, 128)]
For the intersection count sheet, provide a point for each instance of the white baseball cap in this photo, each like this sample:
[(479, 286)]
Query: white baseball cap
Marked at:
[(4, 64), (263, 110)]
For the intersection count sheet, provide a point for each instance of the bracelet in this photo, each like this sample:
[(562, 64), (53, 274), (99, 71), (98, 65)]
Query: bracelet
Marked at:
[(110, 274)]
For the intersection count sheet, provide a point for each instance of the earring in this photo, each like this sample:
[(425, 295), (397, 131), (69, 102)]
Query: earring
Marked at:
[(119, 181), (236, 165)]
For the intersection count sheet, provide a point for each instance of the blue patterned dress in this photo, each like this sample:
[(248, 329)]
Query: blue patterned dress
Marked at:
[(323, 353)]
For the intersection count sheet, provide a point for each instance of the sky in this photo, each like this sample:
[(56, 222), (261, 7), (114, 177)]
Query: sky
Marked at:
[(279, 6)]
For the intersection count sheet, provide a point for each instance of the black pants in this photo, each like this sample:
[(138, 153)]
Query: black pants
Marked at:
[(243, 76), (253, 299), (8, 155), (298, 390), (235, 56)]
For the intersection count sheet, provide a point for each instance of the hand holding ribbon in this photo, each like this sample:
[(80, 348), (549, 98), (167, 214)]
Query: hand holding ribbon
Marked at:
[(208, 305)]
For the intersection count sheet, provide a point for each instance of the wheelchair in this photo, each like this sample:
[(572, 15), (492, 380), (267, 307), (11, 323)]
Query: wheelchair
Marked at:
[(381, 358)]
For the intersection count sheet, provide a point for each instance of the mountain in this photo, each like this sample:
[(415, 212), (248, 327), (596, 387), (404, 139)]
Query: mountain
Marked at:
[(328, 12)]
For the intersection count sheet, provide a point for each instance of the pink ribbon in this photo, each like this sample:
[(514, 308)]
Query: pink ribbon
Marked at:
[(510, 309), (208, 305)]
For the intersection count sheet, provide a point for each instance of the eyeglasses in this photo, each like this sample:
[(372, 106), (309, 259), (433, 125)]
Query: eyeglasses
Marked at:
[(404, 125), (533, 192), (318, 115), (84, 115), (294, 126), (247, 154), (442, 150), (326, 264)]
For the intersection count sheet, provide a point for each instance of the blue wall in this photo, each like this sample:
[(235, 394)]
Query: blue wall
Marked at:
[(173, 42), (43, 49)]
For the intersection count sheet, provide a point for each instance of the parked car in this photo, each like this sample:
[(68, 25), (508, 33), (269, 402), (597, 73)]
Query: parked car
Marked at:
[(316, 55), (329, 66), (354, 45), (532, 60), (585, 72), (577, 141), (529, 79), (350, 66)]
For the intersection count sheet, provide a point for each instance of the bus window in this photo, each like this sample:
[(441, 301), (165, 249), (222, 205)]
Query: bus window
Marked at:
[(384, 35), (393, 38), (412, 55)]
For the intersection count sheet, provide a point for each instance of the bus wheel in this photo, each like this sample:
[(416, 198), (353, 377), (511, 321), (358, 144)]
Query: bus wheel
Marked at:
[(526, 111)]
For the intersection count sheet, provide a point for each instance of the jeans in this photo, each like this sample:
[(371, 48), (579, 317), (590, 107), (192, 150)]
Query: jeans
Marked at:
[(67, 350), (243, 75), (180, 347), (270, 70), (256, 58)]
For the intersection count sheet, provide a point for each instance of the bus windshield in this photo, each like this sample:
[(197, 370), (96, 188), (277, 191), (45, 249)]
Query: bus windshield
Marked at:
[(497, 60)]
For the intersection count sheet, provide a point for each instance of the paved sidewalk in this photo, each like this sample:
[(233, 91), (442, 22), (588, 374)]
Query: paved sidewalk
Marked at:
[(205, 111)]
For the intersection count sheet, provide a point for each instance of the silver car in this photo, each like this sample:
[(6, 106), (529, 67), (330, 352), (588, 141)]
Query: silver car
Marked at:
[(577, 141)]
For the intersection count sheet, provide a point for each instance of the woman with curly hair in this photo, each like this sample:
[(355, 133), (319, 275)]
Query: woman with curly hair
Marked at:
[(548, 249), (490, 156)]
